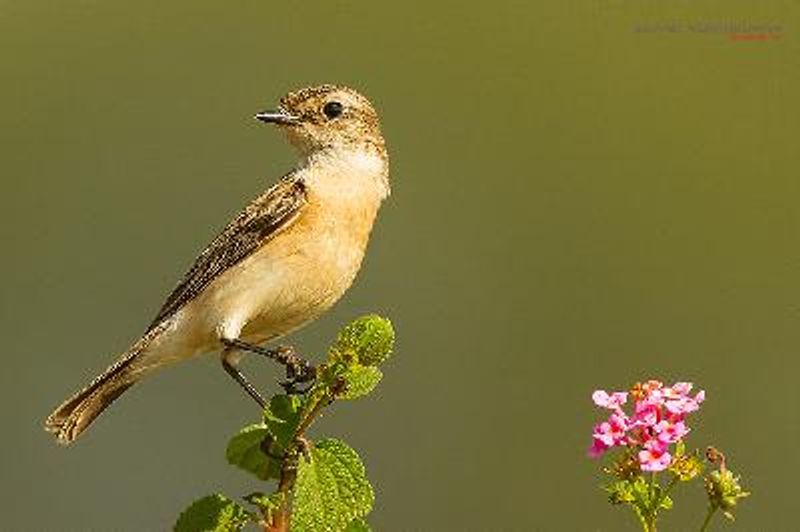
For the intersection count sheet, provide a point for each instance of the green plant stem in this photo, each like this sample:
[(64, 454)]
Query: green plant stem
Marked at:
[(313, 412), (280, 518), (707, 520), (665, 492), (670, 485), (642, 520), (653, 510)]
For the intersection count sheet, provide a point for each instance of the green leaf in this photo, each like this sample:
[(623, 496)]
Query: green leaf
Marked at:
[(214, 513), (680, 449), (358, 525), (640, 489), (266, 503), (666, 503), (245, 451), (282, 417), (368, 339), (360, 380), (620, 492), (331, 488)]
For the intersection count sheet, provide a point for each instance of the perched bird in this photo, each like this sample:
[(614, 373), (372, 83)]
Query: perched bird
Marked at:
[(284, 260)]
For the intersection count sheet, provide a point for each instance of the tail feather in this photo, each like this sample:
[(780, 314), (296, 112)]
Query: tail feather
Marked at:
[(75, 414)]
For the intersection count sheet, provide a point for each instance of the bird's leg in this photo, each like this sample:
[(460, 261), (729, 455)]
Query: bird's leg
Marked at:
[(298, 370), (229, 364)]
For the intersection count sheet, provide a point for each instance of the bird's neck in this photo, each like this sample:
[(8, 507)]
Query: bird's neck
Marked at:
[(365, 166)]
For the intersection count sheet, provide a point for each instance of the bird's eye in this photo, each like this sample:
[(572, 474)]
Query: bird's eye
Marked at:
[(332, 110)]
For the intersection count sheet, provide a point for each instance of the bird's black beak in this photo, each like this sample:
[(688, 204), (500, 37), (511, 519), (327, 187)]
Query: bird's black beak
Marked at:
[(279, 116)]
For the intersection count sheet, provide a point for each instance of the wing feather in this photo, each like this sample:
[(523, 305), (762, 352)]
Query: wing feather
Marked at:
[(268, 214)]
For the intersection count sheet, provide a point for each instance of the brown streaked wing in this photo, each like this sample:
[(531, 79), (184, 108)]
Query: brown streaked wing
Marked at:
[(254, 226)]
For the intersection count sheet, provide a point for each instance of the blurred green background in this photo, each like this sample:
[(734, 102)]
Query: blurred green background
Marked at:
[(576, 206)]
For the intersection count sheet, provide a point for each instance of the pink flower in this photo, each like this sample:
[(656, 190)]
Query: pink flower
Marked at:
[(668, 431), (700, 396), (654, 456), (652, 387), (657, 421), (646, 414), (612, 432), (611, 401), (685, 404), (597, 448), (679, 389)]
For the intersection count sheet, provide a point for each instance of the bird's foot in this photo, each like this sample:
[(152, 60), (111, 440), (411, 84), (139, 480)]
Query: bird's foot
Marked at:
[(298, 370)]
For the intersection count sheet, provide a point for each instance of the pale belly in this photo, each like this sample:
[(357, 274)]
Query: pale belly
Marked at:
[(300, 288)]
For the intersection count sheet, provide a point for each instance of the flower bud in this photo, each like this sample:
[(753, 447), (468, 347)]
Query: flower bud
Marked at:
[(724, 491)]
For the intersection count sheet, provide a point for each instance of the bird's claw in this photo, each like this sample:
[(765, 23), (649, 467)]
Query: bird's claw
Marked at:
[(298, 371)]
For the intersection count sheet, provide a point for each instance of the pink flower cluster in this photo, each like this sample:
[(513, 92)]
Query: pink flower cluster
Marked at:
[(658, 420)]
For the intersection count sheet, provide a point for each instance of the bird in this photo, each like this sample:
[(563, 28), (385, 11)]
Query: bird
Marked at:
[(284, 260)]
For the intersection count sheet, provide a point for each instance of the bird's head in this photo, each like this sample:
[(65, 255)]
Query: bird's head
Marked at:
[(327, 116)]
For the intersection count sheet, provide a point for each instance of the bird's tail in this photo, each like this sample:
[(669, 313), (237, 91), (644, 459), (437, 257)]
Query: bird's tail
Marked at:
[(75, 414)]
